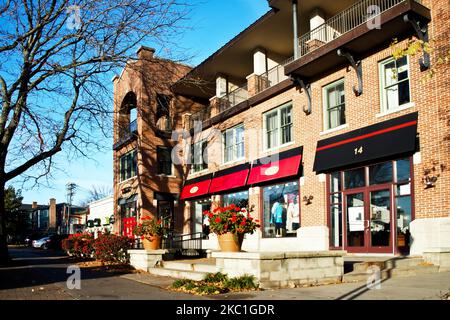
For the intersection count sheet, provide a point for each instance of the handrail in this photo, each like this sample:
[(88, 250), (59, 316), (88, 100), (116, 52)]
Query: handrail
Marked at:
[(343, 22)]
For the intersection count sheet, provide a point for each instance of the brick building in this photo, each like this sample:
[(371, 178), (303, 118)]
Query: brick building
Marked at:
[(307, 118)]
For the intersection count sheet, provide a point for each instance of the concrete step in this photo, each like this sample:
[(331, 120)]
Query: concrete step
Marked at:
[(404, 271), (178, 274), (208, 268), (397, 263)]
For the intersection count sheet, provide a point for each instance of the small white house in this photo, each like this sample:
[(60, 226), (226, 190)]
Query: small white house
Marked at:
[(101, 215)]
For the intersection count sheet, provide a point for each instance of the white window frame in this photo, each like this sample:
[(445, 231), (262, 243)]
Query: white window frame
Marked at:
[(192, 170), (235, 144), (383, 102), (326, 125), (279, 129)]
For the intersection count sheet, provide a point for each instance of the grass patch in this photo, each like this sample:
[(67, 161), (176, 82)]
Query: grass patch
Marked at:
[(215, 283)]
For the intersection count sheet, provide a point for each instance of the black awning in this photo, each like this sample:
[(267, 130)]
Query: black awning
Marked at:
[(382, 140)]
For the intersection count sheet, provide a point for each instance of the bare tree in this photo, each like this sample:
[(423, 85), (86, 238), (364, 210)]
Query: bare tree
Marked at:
[(97, 192), (56, 60)]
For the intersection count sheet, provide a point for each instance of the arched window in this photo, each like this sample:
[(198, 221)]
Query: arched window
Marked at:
[(128, 115)]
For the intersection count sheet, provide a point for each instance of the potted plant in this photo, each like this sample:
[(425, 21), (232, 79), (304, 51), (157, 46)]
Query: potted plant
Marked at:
[(151, 231), (230, 224)]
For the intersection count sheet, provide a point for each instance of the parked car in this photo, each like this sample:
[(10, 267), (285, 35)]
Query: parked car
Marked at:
[(34, 236), (52, 241)]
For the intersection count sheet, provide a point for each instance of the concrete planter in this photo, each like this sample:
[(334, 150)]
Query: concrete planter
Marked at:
[(145, 259)]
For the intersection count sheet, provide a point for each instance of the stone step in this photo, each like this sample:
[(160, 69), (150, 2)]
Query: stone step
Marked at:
[(208, 268), (178, 274), (388, 264), (186, 266), (357, 276)]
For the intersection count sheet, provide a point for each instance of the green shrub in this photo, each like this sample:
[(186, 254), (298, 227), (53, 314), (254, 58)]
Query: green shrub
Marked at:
[(245, 282), (209, 289), (180, 283), (215, 277)]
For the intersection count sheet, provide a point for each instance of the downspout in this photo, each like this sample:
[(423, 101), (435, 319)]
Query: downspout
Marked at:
[(295, 28)]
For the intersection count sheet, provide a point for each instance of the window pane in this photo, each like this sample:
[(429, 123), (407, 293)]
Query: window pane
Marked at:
[(335, 198), (240, 199), (403, 92), (281, 210), (403, 220), (201, 222), (403, 170), (392, 97), (380, 173), (354, 178), (402, 69), (336, 225), (335, 107), (390, 74), (335, 182)]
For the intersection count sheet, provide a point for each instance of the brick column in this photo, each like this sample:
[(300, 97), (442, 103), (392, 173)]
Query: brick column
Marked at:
[(214, 104)]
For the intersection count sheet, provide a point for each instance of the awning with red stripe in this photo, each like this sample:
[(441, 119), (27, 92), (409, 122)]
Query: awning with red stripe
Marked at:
[(231, 178), (383, 140), (196, 187), (278, 166)]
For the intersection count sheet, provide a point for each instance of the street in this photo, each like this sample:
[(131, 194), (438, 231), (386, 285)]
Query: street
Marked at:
[(42, 275)]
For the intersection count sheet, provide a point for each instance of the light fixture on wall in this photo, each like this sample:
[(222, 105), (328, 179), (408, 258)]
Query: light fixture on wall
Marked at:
[(308, 200)]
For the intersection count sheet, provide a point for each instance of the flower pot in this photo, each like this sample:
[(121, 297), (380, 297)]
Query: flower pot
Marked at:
[(152, 242), (230, 242)]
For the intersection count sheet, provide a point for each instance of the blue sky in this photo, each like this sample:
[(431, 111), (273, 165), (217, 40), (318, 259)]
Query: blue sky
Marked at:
[(212, 24)]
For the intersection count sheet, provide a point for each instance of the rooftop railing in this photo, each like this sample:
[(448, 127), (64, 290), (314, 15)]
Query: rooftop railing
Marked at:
[(357, 14), (201, 116)]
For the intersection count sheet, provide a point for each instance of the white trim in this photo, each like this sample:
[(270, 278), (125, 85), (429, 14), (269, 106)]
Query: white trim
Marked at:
[(197, 174), (127, 180), (399, 108), (224, 140), (225, 164), (162, 175), (264, 152), (341, 127)]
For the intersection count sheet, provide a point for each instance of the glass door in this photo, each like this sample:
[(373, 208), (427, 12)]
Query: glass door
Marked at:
[(380, 218), (355, 216)]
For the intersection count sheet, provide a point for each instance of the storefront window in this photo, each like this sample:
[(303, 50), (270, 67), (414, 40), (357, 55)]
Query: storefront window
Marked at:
[(281, 210), (201, 222), (240, 199), (380, 173), (403, 170), (355, 178)]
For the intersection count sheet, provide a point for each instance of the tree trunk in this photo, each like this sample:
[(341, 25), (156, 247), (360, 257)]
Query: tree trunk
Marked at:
[(4, 257)]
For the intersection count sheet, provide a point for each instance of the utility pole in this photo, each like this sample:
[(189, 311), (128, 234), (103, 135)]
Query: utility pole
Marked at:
[(70, 188)]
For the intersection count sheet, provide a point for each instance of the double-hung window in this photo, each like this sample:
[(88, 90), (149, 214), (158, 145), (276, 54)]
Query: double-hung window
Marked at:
[(395, 88), (199, 156), (233, 143), (278, 126), (334, 105), (128, 165), (164, 160)]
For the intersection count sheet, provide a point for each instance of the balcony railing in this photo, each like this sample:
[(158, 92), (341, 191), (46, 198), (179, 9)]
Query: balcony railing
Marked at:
[(272, 77), (233, 98), (199, 116), (346, 20)]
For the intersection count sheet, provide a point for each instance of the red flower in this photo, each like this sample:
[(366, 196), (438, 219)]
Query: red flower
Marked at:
[(206, 212), (218, 220), (233, 219)]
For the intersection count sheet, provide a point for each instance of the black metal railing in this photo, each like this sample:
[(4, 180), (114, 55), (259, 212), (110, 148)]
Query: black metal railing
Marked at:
[(343, 22), (184, 244), (272, 77), (233, 98), (199, 116)]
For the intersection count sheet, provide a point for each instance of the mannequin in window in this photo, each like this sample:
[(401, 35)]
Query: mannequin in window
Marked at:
[(290, 216), (276, 218), (296, 214)]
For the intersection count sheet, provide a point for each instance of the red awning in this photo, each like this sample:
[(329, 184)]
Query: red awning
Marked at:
[(231, 178), (278, 166), (196, 187)]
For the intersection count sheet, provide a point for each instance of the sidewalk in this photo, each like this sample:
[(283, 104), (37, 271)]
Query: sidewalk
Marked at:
[(421, 287)]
